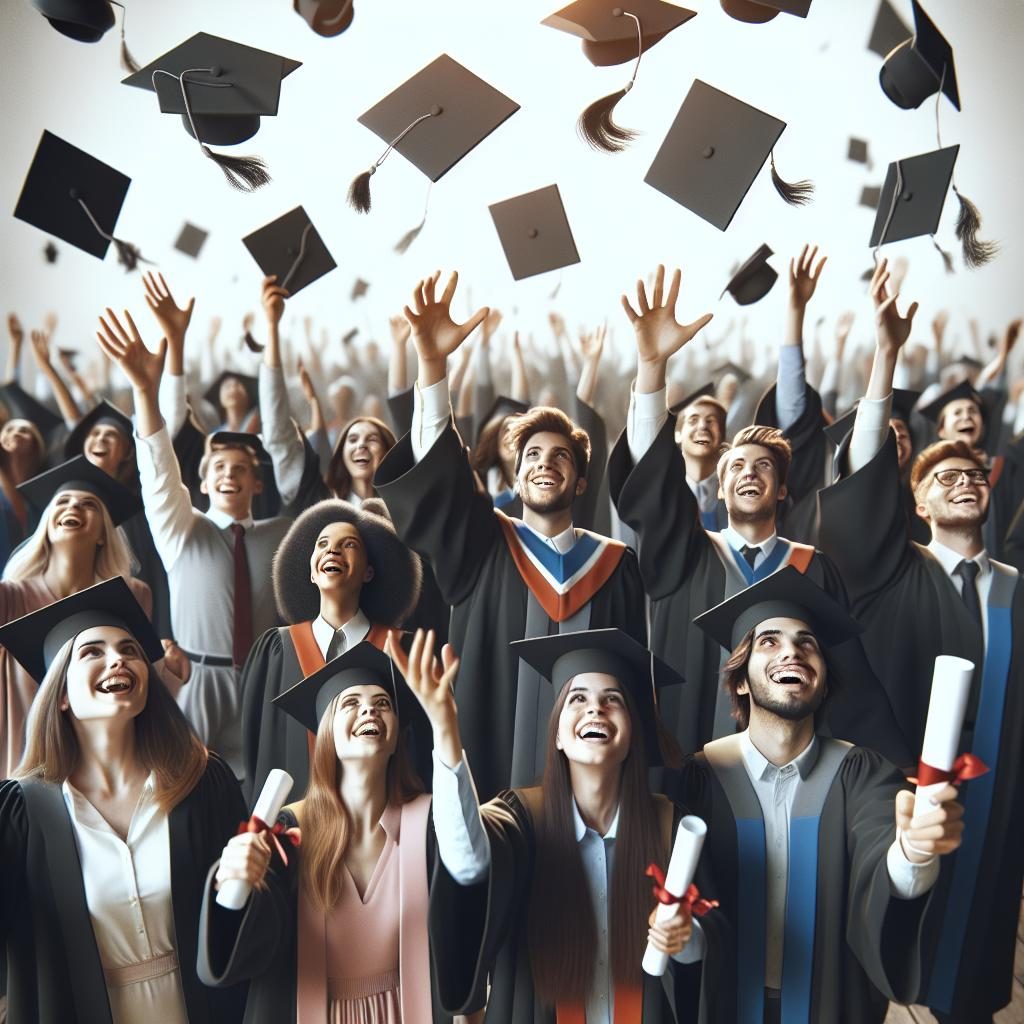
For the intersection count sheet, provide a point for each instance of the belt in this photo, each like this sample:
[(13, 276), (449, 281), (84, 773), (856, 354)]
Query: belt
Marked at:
[(145, 970), (213, 660), (361, 988)]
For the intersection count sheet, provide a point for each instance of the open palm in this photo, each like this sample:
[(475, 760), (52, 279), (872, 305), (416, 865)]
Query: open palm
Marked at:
[(435, 334), (124, 346), (658, 333)]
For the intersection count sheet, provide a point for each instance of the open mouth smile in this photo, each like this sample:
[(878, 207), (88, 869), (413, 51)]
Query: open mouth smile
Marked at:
[(594, 732), (369, 730), (120, 682), (791, 675)]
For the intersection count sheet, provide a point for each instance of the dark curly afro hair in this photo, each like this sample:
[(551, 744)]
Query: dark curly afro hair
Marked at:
[(387, 599)]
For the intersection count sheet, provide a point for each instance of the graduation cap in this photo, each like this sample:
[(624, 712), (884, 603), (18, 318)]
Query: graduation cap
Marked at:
[(251, 385), (191, 240), (786, 594), (326, 17), (903, 402), (706, 391), (888, 30), (231, 438), (221, 88), (753, 280), (713, 152), (534, 232), (857, 151), (614, 32), (913, 195), (434, 119), (612, 652), (870, 196), (963, 390), (86, 21), (756, 12), (920, 66), (35, 640), (359, 289), (501, 408), (103, 413), (79, 474), (292, 249), (71, 194), (970, 362), (23, 406)]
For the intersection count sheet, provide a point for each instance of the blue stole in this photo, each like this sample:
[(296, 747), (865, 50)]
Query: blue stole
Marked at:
[(977, 794), (767, 567), (504, 498)]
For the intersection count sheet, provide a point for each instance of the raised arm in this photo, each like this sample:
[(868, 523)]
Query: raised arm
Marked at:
[(993, 374), (16, 334), (591, 348), (791, 382), (65, 402), (173, 320), (832, 377), (398, 364)]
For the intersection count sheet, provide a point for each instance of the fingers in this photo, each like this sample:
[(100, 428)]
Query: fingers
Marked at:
[(415, 655), (816, 273), (136, 337), (700, 324), (629, 310), (394, 651), (904, 808), (641, 297), (449, 289), (428, 670), (911, 313), (474, 321), (673, 290), (659, 285)]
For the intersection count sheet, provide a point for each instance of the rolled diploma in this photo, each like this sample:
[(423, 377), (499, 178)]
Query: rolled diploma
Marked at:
[(681, 867), (951, 686), (234, 892)]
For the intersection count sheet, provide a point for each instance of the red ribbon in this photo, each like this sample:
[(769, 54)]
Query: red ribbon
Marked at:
[(965, 767), (256, 825), (691, 899)]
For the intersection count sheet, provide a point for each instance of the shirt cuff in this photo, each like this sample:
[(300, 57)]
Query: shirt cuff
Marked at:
[(693, 951), (172, 400), (908, 881), (432, 410), (461, 840), (645, 418), (870, 429)]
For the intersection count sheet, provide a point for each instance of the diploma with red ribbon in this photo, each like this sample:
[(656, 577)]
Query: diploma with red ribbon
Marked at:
[(234, 893), (256, 825), (676, 886)]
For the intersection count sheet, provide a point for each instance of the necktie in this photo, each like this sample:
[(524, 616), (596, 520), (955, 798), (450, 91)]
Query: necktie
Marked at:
[(337, 645), (968, 573), (242, 631), (750, 554)]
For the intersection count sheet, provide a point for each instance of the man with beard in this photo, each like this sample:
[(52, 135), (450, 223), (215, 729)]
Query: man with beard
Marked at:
[(506, 579), (700, 433), (817, 863), (915, 603), (686, 570)]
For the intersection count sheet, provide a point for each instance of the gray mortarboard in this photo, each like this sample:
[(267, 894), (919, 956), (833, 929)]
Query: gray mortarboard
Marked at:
[(612, 652), (35, 640), (714, 150), (79, 474), (933, 410), (707, 391), (920, 66), (85, 20), (326, 17), (753, 280), (534, 232), (786, 594), (870, 196), (103, 413), (191, 240), (857, 151), (434, 120), (903, 402), (359, 289), (757, 12), (251, 385), (720, 372), (292, 249), (71, 194), (887, 31), (501, 408), (913, 195), (23, 406)]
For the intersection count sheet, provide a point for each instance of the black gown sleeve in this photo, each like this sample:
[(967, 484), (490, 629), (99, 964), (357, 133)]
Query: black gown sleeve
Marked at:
[(400, 407), (13, 844), (263, 665)]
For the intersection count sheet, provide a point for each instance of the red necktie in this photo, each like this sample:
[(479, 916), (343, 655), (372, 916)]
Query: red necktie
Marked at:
[(242, 632)]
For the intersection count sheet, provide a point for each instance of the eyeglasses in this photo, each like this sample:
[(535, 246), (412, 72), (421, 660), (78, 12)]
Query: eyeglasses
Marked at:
[(949, 477)]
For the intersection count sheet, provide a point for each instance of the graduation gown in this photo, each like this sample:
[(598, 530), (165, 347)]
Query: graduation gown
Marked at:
[(482, 570), (54, 974), (479, 932), (912, 612), (865, 942), (687, 570)]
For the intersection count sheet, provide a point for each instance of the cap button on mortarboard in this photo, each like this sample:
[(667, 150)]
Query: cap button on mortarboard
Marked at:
[(708, 153), (436, 111), (73, 193), (216, 71), (616, 12), (907, 196), (532, 233)]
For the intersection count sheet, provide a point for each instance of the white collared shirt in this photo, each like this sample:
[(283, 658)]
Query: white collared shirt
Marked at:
[(222, 520), (561, 542), (705, 491), (737, 541), (352, 633), (950, 559)]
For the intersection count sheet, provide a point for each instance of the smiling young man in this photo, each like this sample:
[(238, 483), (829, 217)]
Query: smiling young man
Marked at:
[(217, 562), (916, 602), (505, 579), (686, 569), (700, 434)]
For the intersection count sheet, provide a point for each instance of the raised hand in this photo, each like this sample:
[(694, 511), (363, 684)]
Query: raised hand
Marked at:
[(400, 330), (803, 276), (930, 834), (306, 382), (939, 323), (124, 346), (491, 322), (14, 329), (592, 342), (41, 348), (1010, 336), (172, 318), (272, 299), (892, 330)]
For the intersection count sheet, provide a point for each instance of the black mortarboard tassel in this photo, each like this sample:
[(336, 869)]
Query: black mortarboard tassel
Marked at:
[(796, 193), (976, 252), (128, 62), (595, 124), (128, 255)]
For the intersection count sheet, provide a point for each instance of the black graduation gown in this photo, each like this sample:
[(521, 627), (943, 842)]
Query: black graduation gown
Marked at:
[(478, 933), (54, 974), (259, 943), (151, 571), (439, 512), (684, 576), (866, 942), (912, 612)]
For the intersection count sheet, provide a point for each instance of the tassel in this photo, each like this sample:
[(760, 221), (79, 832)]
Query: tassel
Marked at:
[(402, 245), (598, 129), (251, 343), (359, 191), (245, 173), (968, 223), (128, 255), (947, 259), (797, 193), (128, 62)]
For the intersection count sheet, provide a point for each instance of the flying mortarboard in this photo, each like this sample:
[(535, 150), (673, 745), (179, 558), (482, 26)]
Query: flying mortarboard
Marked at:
[(857, 152), (35, 640), (712, 153), (325, 17), (963, 390), (787, 594), (292, 249), (104, 412), (86, 21), (191, 240), (920, 66), (753, 280), (614, 32), (434, 119), (534, 232), (707, 391), (756, 12), (71, 194), (359, 289), (251, 385), (870, 196), (612, 652), (23, 406), (888, 30), (79, 474)]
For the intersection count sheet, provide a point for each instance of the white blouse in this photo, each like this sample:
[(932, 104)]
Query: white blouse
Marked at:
[(128, 892)]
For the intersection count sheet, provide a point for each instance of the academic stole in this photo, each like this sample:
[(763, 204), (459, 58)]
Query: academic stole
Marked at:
[(725, 756), (977, 797)]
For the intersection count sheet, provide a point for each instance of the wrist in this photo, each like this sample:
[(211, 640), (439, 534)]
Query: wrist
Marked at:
[(431, 371)]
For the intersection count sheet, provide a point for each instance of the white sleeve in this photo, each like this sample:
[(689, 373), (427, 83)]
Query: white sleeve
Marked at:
[(172, 399), (168, 506), (280, 438), (830, 376), (908, 881), (431, 412), (645, 418), (694, 950), (790, 386), (461, 839), (870, 429)]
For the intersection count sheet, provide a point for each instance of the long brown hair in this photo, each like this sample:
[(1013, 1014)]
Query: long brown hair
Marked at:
[(325, 820), (164, 741), (338, 478), (562, 928), (487, 452)]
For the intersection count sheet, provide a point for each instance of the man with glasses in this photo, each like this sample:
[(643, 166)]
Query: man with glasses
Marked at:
[(916, 602)]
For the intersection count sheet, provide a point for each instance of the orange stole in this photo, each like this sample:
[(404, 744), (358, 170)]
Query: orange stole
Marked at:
[(629, 1009), (800, 556)]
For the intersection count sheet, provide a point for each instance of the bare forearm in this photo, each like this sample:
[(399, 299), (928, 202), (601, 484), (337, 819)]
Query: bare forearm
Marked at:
[(316, 416), (587, 386), (65, 400), (650, 375), (272, 350), (398, 368), (176, 356), (147, 411), (794, 325), (883, 368)]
